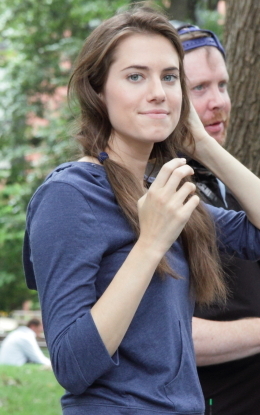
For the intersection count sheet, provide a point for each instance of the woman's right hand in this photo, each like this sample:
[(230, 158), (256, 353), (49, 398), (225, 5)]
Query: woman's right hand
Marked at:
[(164, 209)]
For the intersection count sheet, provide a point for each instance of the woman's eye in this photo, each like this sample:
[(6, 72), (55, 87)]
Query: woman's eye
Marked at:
[(135, 77), (170, 78)]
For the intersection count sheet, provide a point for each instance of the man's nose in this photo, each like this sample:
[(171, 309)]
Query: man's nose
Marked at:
[(217, 99)]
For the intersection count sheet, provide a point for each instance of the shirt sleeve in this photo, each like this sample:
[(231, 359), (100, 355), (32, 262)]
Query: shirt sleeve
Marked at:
[(66, 248), (236, 235)]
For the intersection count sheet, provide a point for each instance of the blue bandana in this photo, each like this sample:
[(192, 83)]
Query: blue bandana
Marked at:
[(211, 40)]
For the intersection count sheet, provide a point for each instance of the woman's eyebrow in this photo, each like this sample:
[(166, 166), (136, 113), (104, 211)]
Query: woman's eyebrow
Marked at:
[(146, 68), (136, 67), (171, 68)]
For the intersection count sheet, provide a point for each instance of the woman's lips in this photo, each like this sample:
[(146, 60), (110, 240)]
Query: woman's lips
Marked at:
[(155, 113)]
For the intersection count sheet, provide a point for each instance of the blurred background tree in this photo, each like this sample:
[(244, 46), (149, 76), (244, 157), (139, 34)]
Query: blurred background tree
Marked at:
[(242, 39), (38, 42)]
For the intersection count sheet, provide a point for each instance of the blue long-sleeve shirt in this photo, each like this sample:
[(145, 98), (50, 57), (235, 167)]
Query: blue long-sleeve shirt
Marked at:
[(76, 240)]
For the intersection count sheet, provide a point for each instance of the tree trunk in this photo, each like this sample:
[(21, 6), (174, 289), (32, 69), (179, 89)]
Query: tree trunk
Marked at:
[(242, 41)]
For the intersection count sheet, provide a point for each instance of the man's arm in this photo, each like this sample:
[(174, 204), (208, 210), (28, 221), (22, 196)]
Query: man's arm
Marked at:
[(223, 341), (34, 353)]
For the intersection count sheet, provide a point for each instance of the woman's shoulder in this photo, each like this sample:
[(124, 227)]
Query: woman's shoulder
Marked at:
[(219, 213), (83, 176), (227, 221), (75, 171), (76, 179)]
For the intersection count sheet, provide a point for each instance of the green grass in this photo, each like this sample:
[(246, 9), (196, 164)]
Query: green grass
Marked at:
[(29, 390)]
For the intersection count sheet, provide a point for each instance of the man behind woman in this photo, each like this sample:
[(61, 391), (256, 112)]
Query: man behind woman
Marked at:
[(227, 341)]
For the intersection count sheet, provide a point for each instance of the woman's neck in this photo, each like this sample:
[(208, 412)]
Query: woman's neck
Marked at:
[(134, 159)]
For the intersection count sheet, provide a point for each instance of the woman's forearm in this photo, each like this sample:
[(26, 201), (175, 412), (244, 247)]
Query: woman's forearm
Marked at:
[(115, 309)]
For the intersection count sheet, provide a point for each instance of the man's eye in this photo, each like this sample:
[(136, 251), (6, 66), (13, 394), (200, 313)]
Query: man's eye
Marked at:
[(198, 88), (223, 85)]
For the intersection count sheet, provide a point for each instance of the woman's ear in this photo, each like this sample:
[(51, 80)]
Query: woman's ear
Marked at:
[(101, 96)]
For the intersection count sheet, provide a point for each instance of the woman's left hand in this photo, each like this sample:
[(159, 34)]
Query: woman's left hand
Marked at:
[(196, 126), (200, 135)]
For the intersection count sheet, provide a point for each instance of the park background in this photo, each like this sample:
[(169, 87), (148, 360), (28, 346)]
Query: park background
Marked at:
[(39, 40)]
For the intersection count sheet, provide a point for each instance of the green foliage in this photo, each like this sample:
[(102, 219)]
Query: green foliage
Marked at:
[(12, 218), (23, 391), (209, 18)]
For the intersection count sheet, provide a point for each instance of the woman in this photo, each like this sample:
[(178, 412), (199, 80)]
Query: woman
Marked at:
[(102, 247)]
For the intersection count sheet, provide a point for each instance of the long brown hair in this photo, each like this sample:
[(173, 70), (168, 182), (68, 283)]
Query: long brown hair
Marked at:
[(198, 238)]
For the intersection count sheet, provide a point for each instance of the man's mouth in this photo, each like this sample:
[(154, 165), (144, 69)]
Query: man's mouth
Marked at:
[(214, 127)]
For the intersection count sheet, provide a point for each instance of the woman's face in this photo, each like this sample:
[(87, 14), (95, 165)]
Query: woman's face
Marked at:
[(143, 92)]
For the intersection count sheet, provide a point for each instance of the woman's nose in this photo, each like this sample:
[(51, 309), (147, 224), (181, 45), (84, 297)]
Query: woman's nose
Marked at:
[(156, 91)]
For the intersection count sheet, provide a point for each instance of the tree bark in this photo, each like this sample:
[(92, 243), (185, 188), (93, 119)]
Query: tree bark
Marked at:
[(242, 42)]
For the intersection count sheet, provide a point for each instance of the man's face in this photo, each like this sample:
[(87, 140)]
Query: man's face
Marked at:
[(37, 329), (207, 82)]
